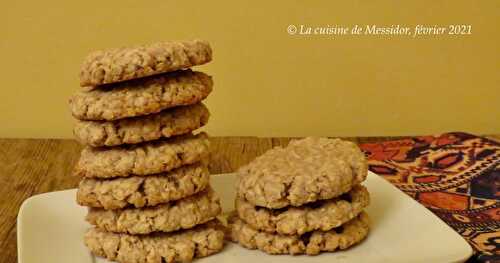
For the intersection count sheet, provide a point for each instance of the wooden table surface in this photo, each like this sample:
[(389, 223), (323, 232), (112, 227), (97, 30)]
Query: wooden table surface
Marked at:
[(33, 166)]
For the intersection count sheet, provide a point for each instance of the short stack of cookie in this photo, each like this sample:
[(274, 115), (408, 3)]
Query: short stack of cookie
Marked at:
[(145, 176), (305, 198)]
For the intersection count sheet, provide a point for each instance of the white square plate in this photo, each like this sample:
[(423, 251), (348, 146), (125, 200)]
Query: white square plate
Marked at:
[(50, 227)]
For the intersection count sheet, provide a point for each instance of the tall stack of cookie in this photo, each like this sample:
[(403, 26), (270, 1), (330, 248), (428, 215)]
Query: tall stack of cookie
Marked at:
[(302, 199), (145, 177)]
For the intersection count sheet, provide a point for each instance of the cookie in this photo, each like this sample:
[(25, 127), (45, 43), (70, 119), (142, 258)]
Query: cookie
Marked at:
[(180, 246), (168, 123), (141, 191), (321, 215), (182, 214), (142, 96), (142, 159), (305, 171), (120, 64), (311, 243)]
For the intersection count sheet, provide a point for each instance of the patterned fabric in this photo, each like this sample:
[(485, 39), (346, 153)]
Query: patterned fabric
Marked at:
[(455, 175)]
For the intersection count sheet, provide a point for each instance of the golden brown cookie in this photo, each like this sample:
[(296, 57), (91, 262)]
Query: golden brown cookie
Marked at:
[(142, 159), (120, 64), (141, 96), (305, 171), (165, 124), (181, 214), (311, 243), (320, 215), (179, 246), (141, 191)]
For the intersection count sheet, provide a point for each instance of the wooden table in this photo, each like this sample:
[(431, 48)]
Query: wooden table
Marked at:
[(33, 166)]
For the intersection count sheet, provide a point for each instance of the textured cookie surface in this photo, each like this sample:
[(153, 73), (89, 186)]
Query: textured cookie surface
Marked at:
[(168, 123), (305, 171), (119, 64), (182, 214), (321, 215), (142, 96), (179, 246), (141, 191), (142, 159), (311, 243)]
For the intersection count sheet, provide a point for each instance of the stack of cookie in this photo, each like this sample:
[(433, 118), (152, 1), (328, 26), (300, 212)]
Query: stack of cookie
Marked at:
[(302, 199), (145, 176)]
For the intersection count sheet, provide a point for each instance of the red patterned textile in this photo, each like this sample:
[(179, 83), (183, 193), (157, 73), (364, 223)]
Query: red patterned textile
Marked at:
[(455, 175)]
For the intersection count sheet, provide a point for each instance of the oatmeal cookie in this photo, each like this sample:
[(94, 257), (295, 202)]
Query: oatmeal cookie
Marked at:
[(181, 214), (179, 246), (142, 159), (320, 215), (141, 191), (311, 243), (305, 171), (120, 64), (141, 96), (167, 123)]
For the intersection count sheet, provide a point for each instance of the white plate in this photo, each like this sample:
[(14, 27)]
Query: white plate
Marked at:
[(50, 227)]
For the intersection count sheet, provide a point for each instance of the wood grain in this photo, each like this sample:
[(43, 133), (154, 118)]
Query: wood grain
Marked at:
[(33, 166)]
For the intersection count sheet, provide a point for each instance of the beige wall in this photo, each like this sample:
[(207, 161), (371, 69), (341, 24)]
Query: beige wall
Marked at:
[(268, 83)]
